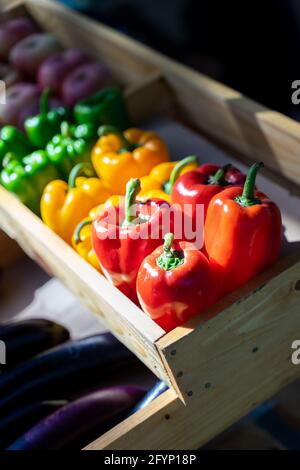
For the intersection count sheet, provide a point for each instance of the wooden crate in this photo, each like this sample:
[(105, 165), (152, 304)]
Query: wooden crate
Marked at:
[(223, 363)]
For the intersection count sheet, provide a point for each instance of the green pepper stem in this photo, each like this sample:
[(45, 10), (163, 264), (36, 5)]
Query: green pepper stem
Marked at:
[(247, 198), (168, 240), (133, 187), (218, 177), (9, 158), (83, 168), (44, 101), (78, 229), (107, 129), (177, 170), (169, 259)]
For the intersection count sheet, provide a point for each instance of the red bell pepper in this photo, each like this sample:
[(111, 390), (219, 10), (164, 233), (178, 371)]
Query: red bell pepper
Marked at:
[(201, 185), (175, 282), (242, 233), (122, 236)]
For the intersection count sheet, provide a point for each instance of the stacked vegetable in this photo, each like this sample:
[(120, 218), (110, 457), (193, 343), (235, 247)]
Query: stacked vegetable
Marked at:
[(62, 397), (84, 170)]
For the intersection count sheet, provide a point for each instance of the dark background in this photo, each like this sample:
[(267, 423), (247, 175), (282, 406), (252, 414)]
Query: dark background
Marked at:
[(252, 46)]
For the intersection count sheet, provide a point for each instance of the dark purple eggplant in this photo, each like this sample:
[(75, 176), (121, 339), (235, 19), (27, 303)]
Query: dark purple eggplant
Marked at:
[(78, 419), (63, 369), (22, 419), (155, 391), (26, 338)]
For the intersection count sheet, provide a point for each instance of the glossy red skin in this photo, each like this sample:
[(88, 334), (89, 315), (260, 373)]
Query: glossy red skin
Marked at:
[(173, 297), (28, 54), (241, 241), (84, 81), (18, 97), (14, 31), (123, 255), (55, 68), (191, 188)]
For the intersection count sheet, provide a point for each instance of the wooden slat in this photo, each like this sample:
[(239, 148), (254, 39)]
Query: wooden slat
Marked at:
[(234, 362), (222, 113), (262, 313)]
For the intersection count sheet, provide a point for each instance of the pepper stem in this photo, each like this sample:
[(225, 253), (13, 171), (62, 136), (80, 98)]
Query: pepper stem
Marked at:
[(44, 101), (218, 177), (83, 168), (125, 144), (177, 170), (169, 259), (247, 198), (78, 229), (65, 129), (133, 187), (168, 238), (9, 158)]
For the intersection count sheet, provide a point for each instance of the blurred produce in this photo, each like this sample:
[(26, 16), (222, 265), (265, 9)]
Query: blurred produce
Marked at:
[(75, 422), (41, 128), (27, 55), (55, 68), (27, 178), (14, 31), (23, 418), (18, 97), (26, 338), (8, 74), (107, 106), (12, 140), (84, 81), (34, 108), (75, 365)]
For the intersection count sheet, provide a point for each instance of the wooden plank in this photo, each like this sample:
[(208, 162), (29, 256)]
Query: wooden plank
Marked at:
[(125, 320), (252, 315), (234, 362)]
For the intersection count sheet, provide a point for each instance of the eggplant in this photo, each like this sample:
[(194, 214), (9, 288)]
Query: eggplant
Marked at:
[(155, 391), (24, 339), (76, 421), (22, 419), (63, 368)]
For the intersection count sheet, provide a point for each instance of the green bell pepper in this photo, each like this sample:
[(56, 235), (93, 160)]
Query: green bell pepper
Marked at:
[(41, 128), (107, 106), (12, 140), (73, 145), (27, 179)]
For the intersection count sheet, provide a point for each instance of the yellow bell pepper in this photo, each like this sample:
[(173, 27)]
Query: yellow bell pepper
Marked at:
[(118, 156), (64, 205), (159, 182), (82, 236)]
